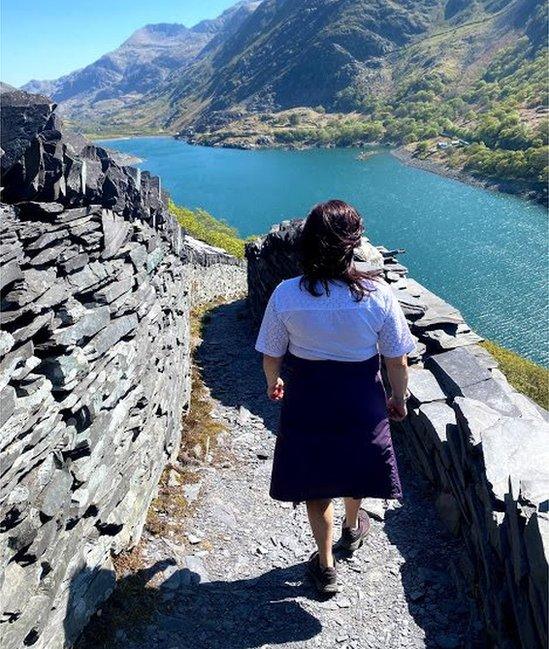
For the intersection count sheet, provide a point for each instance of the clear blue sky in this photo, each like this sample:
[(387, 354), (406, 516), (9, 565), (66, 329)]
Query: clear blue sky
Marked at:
[(44, 39)]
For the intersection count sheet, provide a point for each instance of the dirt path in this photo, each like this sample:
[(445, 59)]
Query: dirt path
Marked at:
[(235, 579)]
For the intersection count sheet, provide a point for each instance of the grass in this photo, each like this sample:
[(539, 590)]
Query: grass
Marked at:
[(203, 226), (524, 375), (198, 439)]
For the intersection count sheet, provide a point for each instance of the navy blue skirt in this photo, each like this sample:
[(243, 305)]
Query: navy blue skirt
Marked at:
[(334, 438)]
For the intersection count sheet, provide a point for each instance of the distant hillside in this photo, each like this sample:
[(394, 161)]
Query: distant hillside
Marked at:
[(94, 95), (345, 55), (338, 72)]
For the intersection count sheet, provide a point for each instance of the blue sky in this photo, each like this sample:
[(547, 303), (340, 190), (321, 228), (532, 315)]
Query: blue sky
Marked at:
[(44, 39)]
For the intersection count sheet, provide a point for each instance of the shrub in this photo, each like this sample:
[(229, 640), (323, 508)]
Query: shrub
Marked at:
[(204, 226)]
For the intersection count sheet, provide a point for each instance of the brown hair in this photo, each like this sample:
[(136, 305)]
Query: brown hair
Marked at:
[(329, 237)]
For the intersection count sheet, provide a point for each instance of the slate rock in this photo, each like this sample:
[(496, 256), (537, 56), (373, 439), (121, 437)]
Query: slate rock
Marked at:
[(457, 369), (88, 324), (12, 360), (473, 418), (111, 334), (116, 231), (40, 211), (8, 400), (442, 340), (424, 387), (412, 306), (437, 419), (23, 116), (11, 273), (6, 342), (449, 511), (515, 450), (493, 395), (57, 494), (63, 369), (114, 290)]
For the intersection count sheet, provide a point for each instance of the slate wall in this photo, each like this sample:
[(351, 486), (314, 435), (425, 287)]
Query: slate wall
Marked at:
[(97, 283), (483, 446)]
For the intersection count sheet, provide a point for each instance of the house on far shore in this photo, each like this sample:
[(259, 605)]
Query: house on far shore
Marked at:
[(444, 144)]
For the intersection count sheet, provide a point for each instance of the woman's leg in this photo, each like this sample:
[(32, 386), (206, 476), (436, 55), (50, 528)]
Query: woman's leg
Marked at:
[(321, 519), (352, 505)]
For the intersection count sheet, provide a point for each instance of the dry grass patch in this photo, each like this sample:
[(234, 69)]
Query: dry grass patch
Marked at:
[(198, 441)]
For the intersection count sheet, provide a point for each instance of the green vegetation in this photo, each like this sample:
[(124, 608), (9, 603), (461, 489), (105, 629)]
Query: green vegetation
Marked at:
[(501, 113), (524, 375), (342, 131), (205, 227)]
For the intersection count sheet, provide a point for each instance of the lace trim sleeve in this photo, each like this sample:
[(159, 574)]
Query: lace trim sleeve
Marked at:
[(394, 337), (273, 336)]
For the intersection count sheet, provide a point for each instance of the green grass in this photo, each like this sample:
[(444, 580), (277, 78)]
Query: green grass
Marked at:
[(524, 375), (203, 226)]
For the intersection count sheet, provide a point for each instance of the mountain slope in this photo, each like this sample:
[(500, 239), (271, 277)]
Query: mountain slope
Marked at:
[(139, 66), (340, 53)]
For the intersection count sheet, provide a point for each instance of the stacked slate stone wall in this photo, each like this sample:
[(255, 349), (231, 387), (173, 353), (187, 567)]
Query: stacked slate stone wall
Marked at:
[(97, 283), (483, 446), (212, 273)]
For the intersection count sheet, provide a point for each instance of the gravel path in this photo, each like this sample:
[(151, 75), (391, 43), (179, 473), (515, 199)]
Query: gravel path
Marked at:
[(237, 580)]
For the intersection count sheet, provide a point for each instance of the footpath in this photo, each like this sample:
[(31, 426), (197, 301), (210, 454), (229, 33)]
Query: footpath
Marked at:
[(232, 576)]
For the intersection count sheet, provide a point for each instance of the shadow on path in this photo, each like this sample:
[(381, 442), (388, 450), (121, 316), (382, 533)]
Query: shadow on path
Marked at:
[(186, 613), (231, 367)]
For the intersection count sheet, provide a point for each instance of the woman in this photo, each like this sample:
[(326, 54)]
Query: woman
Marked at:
[(334, 441)]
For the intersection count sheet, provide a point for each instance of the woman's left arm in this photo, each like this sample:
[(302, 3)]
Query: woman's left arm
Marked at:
[(275, 385)]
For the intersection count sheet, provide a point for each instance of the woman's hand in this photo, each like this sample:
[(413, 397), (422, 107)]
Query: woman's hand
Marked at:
[(397, 372), (396, 408), (275, 385), (275, 391)]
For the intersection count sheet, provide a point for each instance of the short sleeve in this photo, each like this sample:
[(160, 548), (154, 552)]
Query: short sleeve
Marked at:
[(273, 336), (394, 337)]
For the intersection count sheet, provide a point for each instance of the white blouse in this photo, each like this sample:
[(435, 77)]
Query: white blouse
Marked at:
[(334, 326)]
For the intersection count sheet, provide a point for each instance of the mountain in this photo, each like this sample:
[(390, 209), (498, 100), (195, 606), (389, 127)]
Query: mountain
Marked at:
[(339, 72), (341, 54), (139, 66)]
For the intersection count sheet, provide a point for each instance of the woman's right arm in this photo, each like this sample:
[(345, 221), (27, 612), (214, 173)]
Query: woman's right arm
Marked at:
[(394, 342), (397, 373)]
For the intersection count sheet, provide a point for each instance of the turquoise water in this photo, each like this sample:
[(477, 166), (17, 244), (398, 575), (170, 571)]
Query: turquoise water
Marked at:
[(484, 252)]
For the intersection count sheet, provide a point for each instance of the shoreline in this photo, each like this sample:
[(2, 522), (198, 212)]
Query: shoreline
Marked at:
[(440, 169), (116, 138), (513, 188)]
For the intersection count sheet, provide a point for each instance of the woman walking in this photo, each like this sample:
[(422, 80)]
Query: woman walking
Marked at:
[(332, 324)]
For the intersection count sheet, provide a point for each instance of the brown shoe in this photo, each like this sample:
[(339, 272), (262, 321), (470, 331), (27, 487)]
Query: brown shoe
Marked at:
[(352, 539), (325, 579)]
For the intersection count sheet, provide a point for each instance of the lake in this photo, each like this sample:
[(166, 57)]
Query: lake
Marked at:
[(484, 252)]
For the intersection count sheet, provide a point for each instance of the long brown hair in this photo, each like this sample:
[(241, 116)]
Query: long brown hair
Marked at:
[(329, 237)]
